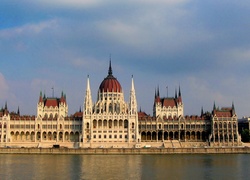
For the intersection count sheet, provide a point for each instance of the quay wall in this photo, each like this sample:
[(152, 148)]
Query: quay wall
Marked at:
[(126, 151)]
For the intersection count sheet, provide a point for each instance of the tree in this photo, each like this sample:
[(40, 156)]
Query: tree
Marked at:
[(245, 136)]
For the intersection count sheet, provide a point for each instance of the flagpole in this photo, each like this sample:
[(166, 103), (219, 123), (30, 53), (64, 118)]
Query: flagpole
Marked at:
[(52, 92), (167, 91)]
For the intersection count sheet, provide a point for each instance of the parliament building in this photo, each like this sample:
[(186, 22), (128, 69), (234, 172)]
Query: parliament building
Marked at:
[(112, 122)]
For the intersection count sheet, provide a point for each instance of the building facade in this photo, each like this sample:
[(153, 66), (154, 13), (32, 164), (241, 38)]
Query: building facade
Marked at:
[(111, 121)]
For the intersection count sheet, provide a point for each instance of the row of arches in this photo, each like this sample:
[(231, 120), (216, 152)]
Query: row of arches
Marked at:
[(225, 125), (173, 135), (45, 136), (110, 124), (3, 125), (224, 138)]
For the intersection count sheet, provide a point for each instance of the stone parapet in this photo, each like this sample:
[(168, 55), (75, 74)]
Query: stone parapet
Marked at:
[(126, 151)]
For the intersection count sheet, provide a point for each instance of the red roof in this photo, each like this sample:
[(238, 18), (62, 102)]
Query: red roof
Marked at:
[(166, 102), (54, 102), (110, 84), (224, 112)]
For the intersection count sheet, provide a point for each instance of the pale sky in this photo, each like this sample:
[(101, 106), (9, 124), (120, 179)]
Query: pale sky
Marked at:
[(203, 46)]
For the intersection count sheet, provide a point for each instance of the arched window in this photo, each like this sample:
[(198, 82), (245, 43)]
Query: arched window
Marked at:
[(99, 123), (118, 108), (87, 125), (94, 124), (133, 125), (110, 123), (120, 123), (110, 108), (105, 123), (126, 124), (115, 123)]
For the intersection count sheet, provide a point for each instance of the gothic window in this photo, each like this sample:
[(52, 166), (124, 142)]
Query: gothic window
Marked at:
[(105, 123), (87, 125), (133, 125), (115, 123), (215, 125), (110, 108), (94, 124), (126, 124), (118, 108), (120, 123), (110, 123), (100, 123)]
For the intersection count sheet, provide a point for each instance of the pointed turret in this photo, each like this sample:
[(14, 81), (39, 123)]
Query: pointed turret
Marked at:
[(110, 68), (179, 91), (158, 92), (179, 95), (41, 97), (202, 111), (6, 106), (214, 108), (88, 99), (133, 102), (18, 111), (233, 109)]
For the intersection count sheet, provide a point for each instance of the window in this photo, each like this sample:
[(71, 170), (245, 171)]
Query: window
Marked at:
[(94, 136), (110, 136), (120, 136), (126, 124)]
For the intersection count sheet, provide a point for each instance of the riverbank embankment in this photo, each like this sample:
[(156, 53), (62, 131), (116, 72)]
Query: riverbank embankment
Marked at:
[(127, 151)]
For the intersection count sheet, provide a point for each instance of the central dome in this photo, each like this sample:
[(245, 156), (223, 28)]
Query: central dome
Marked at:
[(110, 83)]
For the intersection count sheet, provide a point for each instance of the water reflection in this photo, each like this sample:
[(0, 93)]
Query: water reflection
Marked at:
[(124, 166)]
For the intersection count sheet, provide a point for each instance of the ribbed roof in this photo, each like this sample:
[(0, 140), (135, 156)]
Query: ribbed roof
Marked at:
[(110, 83)]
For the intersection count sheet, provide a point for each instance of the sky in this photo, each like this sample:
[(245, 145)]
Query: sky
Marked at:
[(201, 46)]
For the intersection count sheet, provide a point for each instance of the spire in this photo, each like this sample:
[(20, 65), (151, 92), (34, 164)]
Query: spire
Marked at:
[(158, 91), (133, 102), (88, 99), (80, 109), (132, 86), (214, 108), (202, 112), (6, 107), (18, 111), (233, 109), (179, 91), (110, 67), (175, 93)]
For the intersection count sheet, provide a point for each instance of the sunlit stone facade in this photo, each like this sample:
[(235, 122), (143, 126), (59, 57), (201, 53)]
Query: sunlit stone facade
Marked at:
[(111, 121)]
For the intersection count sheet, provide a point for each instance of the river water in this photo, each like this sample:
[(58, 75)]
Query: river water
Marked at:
[(219, 166)]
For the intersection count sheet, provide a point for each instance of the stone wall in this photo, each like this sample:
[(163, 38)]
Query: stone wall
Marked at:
[(126, 151)]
